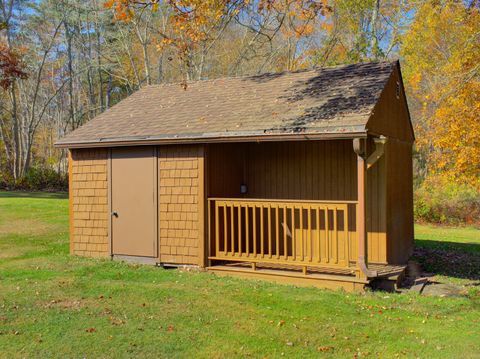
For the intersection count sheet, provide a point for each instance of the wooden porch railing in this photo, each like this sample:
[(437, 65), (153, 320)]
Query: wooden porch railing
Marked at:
[(304, 233)]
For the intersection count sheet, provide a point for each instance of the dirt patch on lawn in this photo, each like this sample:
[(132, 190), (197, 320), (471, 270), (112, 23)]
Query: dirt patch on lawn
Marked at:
[(24, 226), (70, 304)]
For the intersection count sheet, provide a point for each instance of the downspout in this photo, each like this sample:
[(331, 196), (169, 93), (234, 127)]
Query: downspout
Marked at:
[(359, 146), (379, 150)]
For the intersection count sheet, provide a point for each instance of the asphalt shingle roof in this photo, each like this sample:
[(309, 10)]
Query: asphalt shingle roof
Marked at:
[(320, 101)]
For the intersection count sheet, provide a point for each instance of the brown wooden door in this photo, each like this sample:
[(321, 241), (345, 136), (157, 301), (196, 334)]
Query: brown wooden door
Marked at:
[(134, 201)]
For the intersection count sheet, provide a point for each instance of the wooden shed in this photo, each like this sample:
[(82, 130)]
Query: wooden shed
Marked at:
[(299, 176)]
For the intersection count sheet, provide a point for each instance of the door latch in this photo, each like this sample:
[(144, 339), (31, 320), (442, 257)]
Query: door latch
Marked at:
[(115, 214)]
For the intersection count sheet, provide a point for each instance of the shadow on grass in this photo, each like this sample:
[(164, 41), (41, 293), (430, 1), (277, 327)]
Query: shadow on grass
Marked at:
[(458, 260), (20, 194)]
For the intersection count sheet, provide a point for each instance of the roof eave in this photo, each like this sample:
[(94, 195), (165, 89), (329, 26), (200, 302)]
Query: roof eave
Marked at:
[(297, 136)]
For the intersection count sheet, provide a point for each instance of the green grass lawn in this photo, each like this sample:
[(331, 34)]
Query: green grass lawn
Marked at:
[(55, 305), (452, 254)]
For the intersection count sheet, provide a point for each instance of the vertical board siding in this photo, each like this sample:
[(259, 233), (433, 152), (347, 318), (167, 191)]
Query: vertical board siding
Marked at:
[(179, 205), (399, 217), (376, 209), (89, 195), (390, 115), (309, 170)]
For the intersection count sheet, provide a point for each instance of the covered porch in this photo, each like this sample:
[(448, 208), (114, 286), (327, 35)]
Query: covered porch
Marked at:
[(299, 210)]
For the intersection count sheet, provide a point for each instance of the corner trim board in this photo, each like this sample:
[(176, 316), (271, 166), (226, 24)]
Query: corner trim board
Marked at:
[(109, 206), (70, 202), (155, 204)]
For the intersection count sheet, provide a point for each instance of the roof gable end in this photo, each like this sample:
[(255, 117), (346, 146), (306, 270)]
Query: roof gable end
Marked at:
[(391, 116)]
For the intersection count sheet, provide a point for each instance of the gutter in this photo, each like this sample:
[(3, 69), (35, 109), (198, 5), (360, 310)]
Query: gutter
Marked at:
[(211, 138)]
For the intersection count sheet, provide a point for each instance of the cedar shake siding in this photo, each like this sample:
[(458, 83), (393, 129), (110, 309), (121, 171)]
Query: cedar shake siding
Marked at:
[(88, 187), (179, 203)]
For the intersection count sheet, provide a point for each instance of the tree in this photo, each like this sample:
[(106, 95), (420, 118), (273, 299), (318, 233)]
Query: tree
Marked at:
[(442, 72), (196, 26), (363, 31)]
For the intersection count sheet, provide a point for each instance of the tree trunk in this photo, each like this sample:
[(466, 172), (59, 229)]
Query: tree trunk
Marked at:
[(16, 134), (373, 24), (99, 58), (108, 93), (70, 75)]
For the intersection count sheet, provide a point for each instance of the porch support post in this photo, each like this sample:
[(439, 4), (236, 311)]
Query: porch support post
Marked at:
[(359, 146)]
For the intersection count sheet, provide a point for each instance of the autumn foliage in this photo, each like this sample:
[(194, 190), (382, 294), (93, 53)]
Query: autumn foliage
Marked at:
[(442, 57), (11, 66), (191, 20)]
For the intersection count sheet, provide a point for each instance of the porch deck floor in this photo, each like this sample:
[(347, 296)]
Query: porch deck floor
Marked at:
[(383, 270), (315, 276)]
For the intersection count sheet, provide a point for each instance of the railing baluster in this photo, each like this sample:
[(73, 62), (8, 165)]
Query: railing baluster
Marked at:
[(269, 230), (254, 233), (247, 231), (335, 232), (277, 234), (302, 249), (319, 243), (240, 230), (262, 236), (217, 231), (327, 235), (225, 229), (232, 229), (347, 236), (292, 230), (285, 244), (309, 243)]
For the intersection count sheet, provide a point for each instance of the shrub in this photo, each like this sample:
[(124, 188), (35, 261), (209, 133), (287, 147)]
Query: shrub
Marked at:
[(37, 179), (440, 201)]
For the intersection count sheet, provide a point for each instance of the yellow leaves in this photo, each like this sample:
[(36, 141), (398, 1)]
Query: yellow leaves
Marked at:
[(302, 16), (327, 26), (441, 56), (193, 19), (457, 135), (302, 30), (414, 80), (165, 42)]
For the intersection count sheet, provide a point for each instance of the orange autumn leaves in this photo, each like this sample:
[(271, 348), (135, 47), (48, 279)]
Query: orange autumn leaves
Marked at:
[(122, 8), (11, 65), (192, 20)]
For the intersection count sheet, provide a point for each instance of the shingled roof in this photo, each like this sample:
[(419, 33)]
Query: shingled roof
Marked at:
[(322, 102)]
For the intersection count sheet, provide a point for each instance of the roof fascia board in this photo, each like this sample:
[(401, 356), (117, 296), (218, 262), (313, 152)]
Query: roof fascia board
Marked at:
[(172, 141), (404, 97)]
